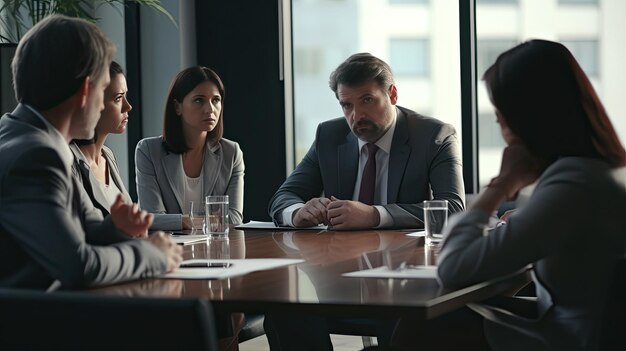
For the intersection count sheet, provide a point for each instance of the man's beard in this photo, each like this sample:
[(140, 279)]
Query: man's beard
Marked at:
[(372, 134)]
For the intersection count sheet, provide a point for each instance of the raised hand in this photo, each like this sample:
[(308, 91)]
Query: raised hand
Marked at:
[(129, 219), (519, 168)]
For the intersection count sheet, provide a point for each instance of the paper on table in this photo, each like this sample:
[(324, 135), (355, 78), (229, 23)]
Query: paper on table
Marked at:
[(419, 233), (424, 272), (271, 225), (238, 267), (188, 239)]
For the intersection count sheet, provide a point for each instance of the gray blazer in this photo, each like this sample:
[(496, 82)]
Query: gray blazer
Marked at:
[(82, 173), (572, 230), (161, 179), (49, 229), (424, 163)]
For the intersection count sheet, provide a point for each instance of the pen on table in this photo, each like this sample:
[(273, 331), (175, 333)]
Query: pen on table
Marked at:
[(177, 234), (206, 265)]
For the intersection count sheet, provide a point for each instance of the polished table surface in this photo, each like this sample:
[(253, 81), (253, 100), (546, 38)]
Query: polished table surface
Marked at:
[(316, 285)]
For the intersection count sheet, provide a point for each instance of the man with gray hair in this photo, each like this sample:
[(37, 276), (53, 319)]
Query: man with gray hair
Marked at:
[(50, 233), (375, 170)]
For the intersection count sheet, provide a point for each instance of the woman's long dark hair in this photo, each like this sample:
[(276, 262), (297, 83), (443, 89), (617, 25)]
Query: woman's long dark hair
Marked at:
[(182, 85), (549, 103)]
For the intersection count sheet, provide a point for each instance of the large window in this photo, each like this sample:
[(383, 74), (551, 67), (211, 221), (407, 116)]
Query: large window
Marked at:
[(586, 53), (589, 32), (409, 57), (578, 2), (419, 39)]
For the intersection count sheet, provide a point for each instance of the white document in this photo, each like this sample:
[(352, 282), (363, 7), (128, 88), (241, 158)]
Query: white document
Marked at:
[(236, 268), (188, 239), (419, 233), (413, 272), (271, 225)]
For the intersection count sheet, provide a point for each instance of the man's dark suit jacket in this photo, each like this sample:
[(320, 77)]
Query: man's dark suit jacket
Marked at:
[(49, 229), (424, 163)]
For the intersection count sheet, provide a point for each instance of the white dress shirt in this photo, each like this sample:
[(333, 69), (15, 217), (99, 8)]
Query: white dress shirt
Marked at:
[(382, 175)]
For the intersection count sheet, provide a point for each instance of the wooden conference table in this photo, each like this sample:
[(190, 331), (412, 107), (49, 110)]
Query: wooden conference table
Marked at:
[(316, 285)]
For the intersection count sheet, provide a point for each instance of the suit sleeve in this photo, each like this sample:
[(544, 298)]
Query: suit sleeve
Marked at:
[(149, 191), (534, 232), (445, 176), (304, 183), (235, 188), (39, 211), (445, 171)]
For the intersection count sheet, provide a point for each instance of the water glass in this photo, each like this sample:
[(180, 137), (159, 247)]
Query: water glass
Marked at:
[(197, 216), (217, 215), (218, 248), (435, 220)]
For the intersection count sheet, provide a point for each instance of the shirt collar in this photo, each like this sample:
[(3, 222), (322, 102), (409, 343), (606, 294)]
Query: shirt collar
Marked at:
[(66, 153), (384, 143)]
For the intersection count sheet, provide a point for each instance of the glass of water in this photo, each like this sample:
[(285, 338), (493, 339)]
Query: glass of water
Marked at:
[(435, 220), (196, 216), (217, 215)]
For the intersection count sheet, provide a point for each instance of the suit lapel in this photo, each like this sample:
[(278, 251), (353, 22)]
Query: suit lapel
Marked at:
[(211, 167), (347, 167), (89, 180), (398, 157), (96, 190), (173, 166)]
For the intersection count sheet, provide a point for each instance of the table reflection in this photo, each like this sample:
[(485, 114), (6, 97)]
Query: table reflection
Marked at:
[(318, 283), (233, 246), (146, 288), (330, 254)]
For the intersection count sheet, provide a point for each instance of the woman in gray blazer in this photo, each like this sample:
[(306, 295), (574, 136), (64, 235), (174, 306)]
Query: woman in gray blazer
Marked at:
[(191, 159), (94, 164), (571, 232)]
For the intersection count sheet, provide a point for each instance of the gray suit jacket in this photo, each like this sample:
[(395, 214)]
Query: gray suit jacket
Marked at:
[(49, 228), (572, 230), (161, 179), (424, 163), (82, 173)]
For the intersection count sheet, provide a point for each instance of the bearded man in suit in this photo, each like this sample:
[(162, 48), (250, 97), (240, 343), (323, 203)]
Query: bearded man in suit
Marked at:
[(413, 158)]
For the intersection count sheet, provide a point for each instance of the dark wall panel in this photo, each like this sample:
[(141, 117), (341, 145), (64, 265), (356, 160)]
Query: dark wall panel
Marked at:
[(133, 79), (7, 94), (239, 40)]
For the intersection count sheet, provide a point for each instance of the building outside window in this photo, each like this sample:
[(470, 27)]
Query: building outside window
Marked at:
[(409, 57), (586, 53), (588, 31), (578, 2), (420, 41), (428, 74), (401, 2)]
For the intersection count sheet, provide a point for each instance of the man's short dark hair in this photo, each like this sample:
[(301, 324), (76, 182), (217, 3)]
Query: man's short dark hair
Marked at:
[(359, 69), (54, 58)]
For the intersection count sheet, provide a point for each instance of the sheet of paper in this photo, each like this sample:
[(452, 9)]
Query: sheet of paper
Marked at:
[(238, 267), (419, 233), (417, 272), (271, 225), (188, 239)]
